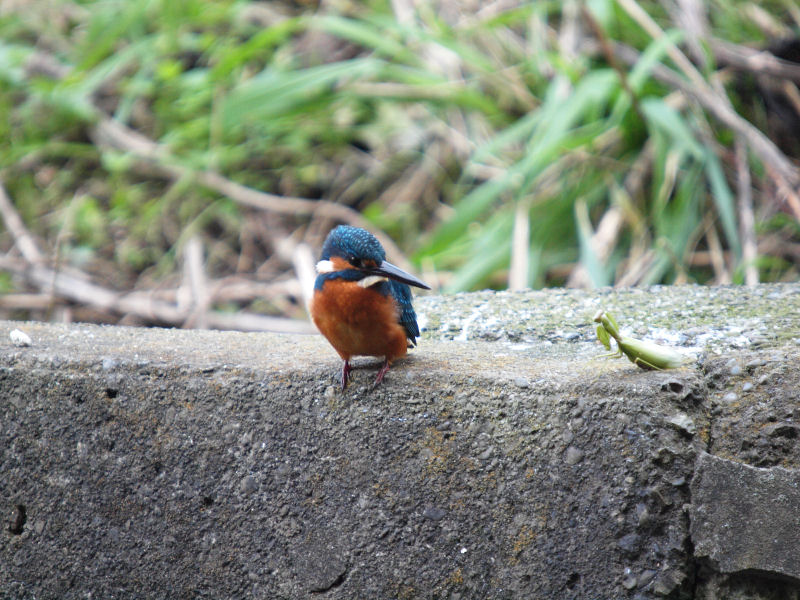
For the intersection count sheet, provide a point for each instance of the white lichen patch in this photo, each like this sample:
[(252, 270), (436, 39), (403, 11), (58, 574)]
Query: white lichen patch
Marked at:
[(20, 338)]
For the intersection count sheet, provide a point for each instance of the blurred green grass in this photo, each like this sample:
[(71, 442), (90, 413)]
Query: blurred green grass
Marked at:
[(451, 131)]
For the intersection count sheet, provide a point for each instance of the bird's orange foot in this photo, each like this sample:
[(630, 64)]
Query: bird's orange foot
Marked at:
[(345, 374), (381, 373)]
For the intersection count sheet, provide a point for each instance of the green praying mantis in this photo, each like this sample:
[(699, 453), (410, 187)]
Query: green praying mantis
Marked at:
[(645, 355)]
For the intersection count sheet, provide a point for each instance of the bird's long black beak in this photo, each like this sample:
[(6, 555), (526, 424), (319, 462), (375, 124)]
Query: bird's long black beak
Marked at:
[(389, 270)]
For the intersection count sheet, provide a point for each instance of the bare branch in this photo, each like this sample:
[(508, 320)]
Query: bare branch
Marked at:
[(195, 277), (759, 62), (26, 301), (110, 133), (141, 304), (25, 243)]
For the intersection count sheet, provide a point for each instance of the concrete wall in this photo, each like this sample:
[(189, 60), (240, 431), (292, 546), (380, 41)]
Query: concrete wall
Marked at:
[(502, 459)]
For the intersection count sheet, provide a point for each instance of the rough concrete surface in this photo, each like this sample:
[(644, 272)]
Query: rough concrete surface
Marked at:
[(503, 459), (744, 518)]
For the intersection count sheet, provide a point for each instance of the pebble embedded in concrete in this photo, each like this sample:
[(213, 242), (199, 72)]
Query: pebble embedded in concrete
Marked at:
[(683, 422), (573, 455)]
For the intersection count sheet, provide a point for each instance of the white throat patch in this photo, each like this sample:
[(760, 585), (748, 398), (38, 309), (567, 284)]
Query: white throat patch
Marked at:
[(325, 266), (371, 280)]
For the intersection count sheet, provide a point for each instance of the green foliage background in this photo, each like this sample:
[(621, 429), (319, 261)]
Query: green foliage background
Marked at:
[(453, 129)]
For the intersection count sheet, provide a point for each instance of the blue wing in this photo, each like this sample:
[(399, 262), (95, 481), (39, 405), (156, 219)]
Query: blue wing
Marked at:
[(408, 318)]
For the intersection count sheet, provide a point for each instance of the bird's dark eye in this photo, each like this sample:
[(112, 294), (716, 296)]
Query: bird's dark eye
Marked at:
[(356, 262)]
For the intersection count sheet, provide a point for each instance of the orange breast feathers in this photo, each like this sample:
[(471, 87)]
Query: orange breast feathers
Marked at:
[(358, 321)]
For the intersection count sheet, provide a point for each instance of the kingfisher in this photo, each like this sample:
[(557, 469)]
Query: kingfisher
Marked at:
[(361, 303)]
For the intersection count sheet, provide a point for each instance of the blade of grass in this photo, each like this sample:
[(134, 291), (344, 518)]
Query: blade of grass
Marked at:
[(724, 201), (381, 35), (274, 93), (669, 121), (490, 252), (548, 140)]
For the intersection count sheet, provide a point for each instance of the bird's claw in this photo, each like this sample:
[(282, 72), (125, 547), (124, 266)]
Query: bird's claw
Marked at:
[(345, 374)]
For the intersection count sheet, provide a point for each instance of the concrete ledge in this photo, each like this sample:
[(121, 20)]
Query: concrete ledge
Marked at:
[(501, 460)]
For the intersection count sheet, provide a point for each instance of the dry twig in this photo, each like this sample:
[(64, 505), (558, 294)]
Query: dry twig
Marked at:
[(77, 288), (716, 254), (196, 285), (759, 62), (142, 304), (520, 247), (746, 217), (783, 171), (25, 243), (111, 133)]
